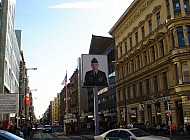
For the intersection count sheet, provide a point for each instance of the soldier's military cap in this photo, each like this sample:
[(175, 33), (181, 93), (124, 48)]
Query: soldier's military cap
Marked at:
[(94, 60)]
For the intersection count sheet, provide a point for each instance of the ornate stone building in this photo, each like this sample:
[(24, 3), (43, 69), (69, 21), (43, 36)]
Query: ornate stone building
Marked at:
[(152, 42)]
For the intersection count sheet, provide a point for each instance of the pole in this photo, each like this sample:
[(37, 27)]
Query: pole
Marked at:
[(66, 101), (66, 110), (96, 115), (169, 117), (25, 122), (124, 96)]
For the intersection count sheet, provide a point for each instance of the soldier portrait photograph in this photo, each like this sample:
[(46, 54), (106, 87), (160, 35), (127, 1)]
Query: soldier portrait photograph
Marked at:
[(95, 76)]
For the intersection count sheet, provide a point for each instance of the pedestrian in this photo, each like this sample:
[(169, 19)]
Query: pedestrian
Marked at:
[(173, 128), (11, 129)]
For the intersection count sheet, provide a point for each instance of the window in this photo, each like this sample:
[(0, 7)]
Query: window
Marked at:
[(165, 80), (155, 81), (117, 75), (185, 72), (121, 51), (161, 48), (176, 5), (180, 35), (128, 92), (168, 7), (138, 62), (147, 86), (119, 98), (125, 47), (143, 32), (126, 70), (176, 74), (131, 43), (132, 65), (113, 134), (145, 58), (136, 37), (140, 89), (134, 91), (173, 41), (150, 25), (188, 33), (124, 134), (186, 5), (153, 53), (3, 138), (158, 19), (116, 54)]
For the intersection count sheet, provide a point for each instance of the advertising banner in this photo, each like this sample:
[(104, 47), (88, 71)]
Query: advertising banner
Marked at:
[(8, 103)]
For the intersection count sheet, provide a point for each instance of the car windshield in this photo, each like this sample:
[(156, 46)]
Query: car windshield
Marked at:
[(47, 126), (139, 132)]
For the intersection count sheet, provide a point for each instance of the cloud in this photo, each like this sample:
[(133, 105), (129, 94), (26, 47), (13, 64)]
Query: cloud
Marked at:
[(83, 5), (39, 56)]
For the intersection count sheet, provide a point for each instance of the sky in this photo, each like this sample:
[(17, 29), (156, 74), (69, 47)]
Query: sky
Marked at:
[(55, 33)]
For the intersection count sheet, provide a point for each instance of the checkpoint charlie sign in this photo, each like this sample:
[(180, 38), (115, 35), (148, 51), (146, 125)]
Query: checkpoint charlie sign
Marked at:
[(8, 103), (162, 99)]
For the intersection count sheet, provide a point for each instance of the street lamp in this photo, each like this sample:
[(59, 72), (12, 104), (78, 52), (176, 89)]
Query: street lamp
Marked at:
[(26, 98), (124, 94), (31, 68)]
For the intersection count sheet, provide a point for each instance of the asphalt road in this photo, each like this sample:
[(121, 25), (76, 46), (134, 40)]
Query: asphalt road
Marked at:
[(59, 135)]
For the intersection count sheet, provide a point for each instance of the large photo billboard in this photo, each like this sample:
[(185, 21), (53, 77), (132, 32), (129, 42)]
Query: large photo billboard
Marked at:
[(94, 70)]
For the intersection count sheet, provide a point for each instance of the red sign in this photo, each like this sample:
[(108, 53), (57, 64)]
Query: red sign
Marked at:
[(168, 112), (27, 100)]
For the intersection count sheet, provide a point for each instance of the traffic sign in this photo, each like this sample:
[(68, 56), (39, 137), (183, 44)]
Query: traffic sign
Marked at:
[(168, 112)]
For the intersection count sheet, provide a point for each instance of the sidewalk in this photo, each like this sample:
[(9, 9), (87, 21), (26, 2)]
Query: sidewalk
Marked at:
[(176, 136)]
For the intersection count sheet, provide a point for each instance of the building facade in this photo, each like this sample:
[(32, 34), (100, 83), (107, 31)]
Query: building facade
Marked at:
[(9, 51), (152, 43)]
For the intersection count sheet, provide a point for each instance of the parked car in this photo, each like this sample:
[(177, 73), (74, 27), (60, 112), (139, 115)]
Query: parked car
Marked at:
[(140, 126), (5, 135), (128, 134), (47, 128)]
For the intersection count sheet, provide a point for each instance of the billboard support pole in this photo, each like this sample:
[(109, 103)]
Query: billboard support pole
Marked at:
[(96, 115)]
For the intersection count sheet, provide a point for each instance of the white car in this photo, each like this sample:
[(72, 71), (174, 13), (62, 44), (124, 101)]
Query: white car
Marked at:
[(47, 128), (5, 135), (128, 134)]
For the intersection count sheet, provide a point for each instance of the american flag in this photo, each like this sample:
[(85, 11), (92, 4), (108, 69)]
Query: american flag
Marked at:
[(65, 80)]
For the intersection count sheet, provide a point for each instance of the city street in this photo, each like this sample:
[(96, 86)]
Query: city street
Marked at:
[(85, 135)]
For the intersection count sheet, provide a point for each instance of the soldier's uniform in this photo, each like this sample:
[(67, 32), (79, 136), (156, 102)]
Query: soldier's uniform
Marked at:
[(95, 78)]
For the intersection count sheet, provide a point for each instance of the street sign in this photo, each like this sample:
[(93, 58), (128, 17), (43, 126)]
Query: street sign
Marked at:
[(168, 112), (8, 103), (141, 107)]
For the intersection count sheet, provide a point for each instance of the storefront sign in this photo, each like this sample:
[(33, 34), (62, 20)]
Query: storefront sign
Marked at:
[(162, 99), (110, 114)]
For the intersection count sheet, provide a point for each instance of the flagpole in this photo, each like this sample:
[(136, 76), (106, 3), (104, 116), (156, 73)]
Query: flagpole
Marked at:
[(66, 101), (66, 104)]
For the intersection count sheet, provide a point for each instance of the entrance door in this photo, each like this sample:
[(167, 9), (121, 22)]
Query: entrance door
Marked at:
[(179, 113)]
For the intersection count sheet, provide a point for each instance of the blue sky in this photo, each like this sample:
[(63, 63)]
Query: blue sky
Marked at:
[(55, 33)]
